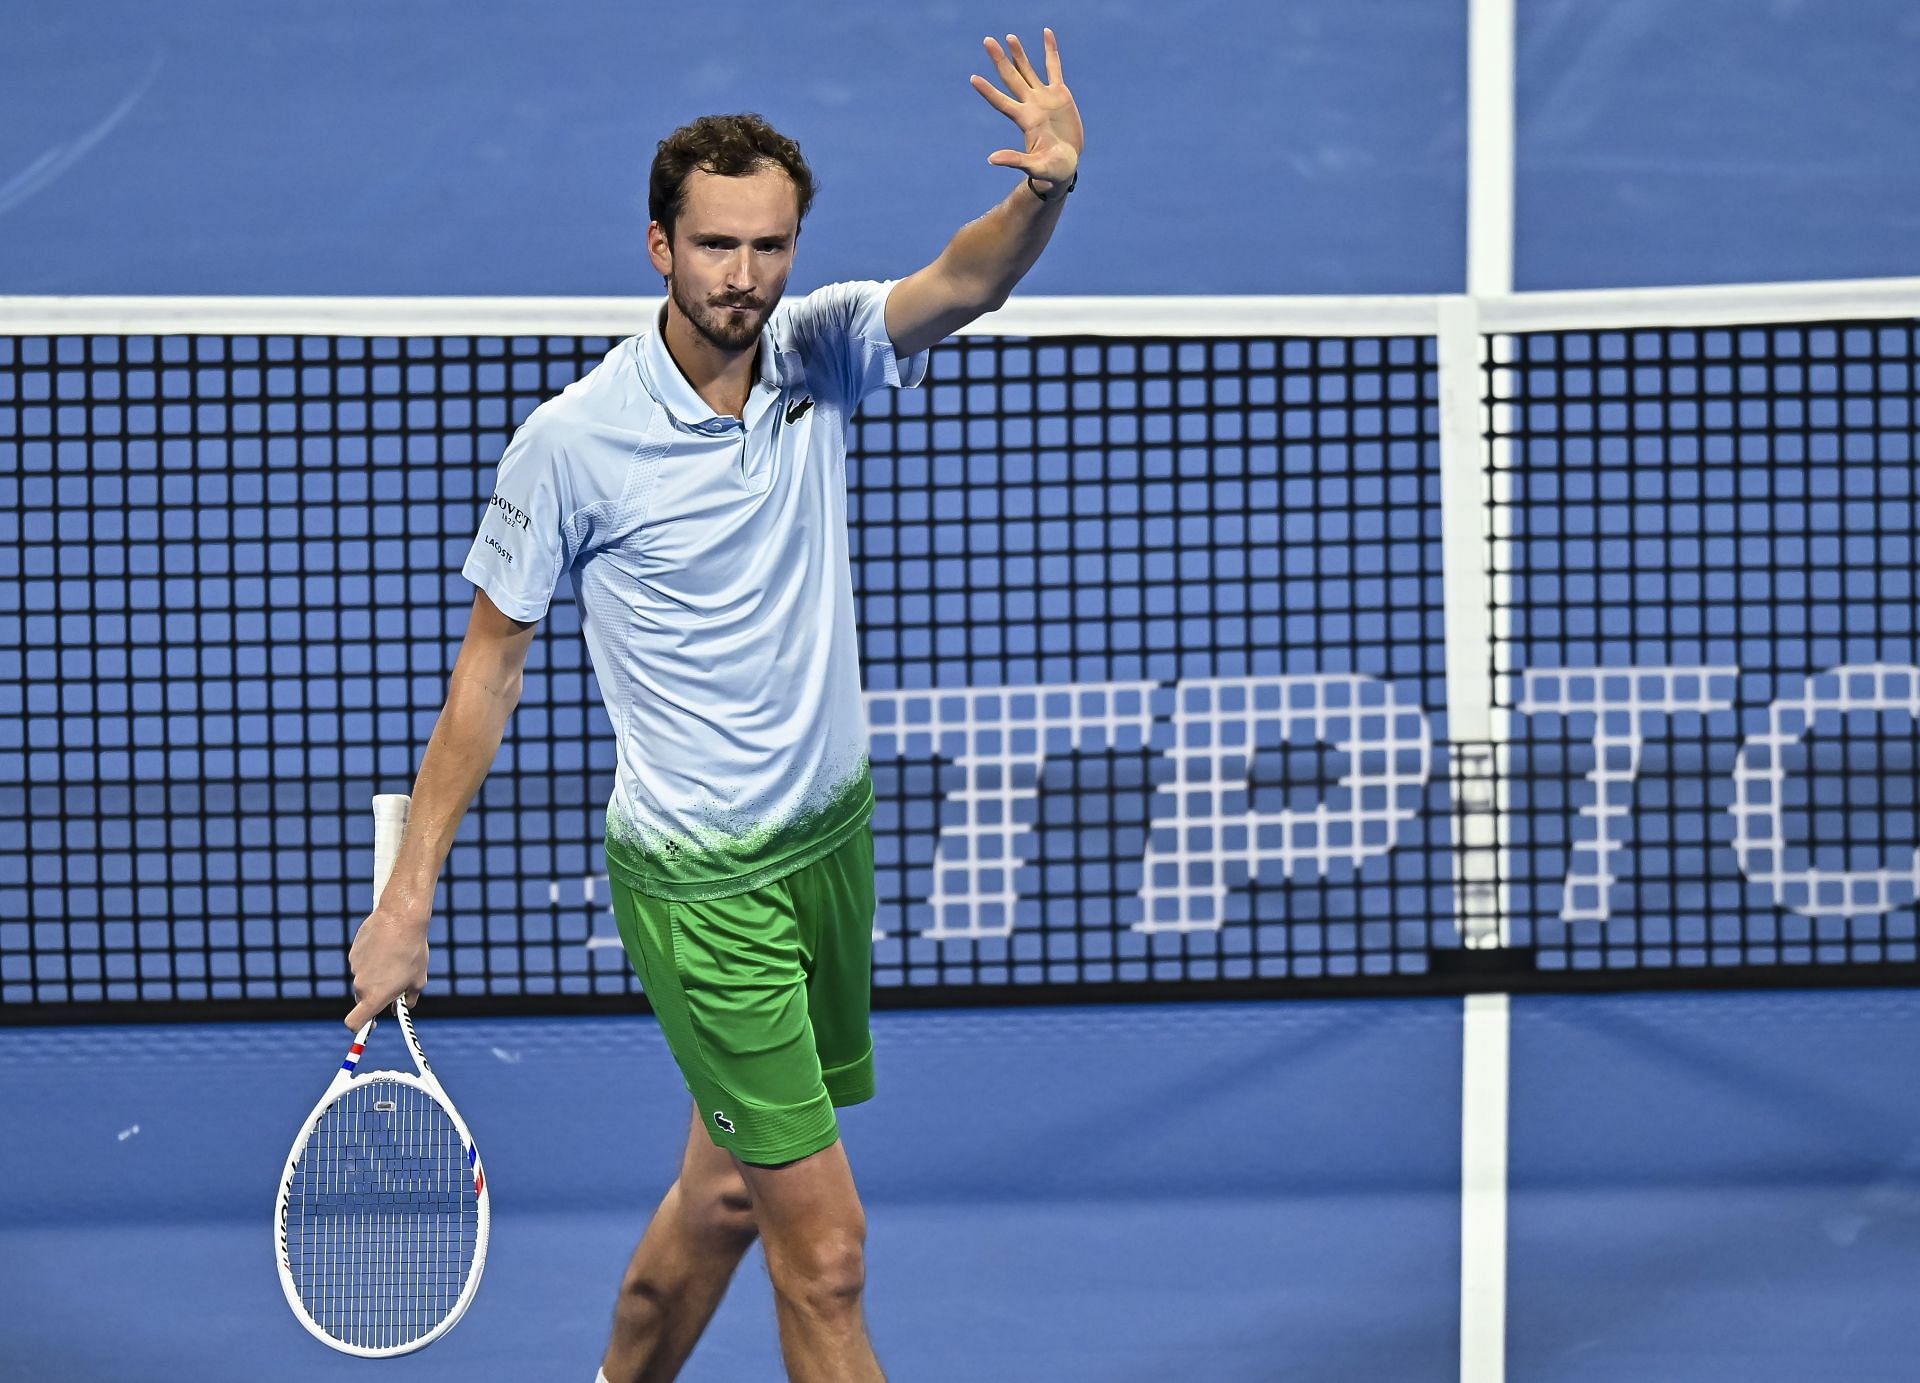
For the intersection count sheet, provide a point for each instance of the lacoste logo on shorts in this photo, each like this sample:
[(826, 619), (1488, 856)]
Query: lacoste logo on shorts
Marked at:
[(798, 410), (723, 1121)]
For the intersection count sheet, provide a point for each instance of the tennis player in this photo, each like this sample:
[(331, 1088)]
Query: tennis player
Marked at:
[(694, 485)]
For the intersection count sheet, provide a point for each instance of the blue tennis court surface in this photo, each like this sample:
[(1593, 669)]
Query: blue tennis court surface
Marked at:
[(1227, 1191), (1704, 1188), (489, 147), (494, 148), (1714, 1186)]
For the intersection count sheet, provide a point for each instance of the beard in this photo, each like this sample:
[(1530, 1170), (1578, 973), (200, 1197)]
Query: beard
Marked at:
[(717, 324)]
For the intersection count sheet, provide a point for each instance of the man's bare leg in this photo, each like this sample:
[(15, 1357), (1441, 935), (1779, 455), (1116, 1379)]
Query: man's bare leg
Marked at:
[(814, 1232), (681, 1269)]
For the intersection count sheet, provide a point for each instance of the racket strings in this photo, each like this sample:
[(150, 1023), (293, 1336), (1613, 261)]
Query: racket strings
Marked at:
[(382, 1217)]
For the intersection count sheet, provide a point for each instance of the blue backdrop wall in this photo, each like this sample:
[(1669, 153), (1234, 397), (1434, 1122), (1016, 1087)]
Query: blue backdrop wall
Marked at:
[(488, 147)]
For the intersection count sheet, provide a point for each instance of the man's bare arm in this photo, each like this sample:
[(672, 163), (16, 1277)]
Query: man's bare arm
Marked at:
[(983, 262), (389, 954)]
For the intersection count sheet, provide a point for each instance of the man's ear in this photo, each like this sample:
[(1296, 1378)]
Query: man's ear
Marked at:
[(659, 249)]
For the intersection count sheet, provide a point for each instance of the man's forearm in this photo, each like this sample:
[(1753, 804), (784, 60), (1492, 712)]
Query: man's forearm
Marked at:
[(461, 751), (981, 264), (989, 256)]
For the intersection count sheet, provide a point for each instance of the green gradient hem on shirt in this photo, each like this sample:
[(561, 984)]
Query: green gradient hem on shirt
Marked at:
[(719, 863)]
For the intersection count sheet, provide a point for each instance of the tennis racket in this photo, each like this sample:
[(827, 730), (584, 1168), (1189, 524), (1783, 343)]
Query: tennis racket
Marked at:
[(381, 1221)]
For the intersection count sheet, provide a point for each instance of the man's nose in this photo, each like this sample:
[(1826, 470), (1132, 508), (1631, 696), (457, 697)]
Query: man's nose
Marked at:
[(740, 268)]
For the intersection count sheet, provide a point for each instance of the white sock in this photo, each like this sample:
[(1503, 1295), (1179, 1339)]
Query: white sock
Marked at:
[(600, 1377)]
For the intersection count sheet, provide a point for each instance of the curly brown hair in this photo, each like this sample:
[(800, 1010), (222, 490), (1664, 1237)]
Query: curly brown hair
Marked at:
[(729, 145)]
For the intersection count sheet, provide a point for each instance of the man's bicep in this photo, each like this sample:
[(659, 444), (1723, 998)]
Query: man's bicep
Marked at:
[(496, 644)]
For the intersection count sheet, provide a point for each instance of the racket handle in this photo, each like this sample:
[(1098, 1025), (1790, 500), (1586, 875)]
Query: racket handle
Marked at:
[(389, 825)]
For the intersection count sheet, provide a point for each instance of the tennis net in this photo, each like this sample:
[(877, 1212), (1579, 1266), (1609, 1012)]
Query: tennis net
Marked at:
[(1704, 599), (1180, 620)]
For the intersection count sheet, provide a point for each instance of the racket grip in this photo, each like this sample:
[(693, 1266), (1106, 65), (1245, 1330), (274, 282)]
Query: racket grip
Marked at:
[(389, 825)]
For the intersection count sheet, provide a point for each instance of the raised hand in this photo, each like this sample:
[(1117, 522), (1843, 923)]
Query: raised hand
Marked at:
[(1049, 121)]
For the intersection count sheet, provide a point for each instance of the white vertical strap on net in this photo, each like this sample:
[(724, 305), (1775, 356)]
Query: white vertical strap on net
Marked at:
[(1465, 552)]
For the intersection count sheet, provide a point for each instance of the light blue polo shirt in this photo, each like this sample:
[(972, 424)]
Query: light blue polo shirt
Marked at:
[(709, 558)]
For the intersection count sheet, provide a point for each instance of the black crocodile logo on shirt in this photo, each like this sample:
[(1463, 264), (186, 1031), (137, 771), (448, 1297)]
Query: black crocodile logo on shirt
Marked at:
[(798, 410)]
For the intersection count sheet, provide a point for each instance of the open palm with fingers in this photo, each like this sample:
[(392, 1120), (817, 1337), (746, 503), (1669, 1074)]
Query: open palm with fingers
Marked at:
[(1049, 121)]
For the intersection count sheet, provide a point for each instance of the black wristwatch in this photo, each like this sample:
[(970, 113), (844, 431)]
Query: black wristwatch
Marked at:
[(1071, 183)]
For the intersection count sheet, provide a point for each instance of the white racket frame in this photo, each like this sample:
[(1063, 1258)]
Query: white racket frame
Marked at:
[(390, 820)]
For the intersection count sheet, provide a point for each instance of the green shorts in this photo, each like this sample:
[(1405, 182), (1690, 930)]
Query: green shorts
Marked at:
[(763, 997)]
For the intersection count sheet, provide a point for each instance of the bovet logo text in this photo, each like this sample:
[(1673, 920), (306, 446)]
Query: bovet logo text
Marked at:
[(513, 513)]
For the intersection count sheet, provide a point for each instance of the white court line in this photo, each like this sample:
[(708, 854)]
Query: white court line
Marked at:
[(1490, 193), (1468, 525), (1480, 902), (1483, 1190)]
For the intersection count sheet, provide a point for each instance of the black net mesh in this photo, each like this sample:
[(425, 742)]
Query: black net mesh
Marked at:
[(1153, 640), (1704, 615), (1154, 646)]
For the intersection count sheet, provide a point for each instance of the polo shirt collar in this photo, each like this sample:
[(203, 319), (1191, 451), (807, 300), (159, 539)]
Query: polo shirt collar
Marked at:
[(671, 389)]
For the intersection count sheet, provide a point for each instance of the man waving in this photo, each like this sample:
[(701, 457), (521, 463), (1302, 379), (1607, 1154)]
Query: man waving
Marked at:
[(694, 484)]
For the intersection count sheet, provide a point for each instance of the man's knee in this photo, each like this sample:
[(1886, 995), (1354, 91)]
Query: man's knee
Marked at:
[(824, 1275)]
